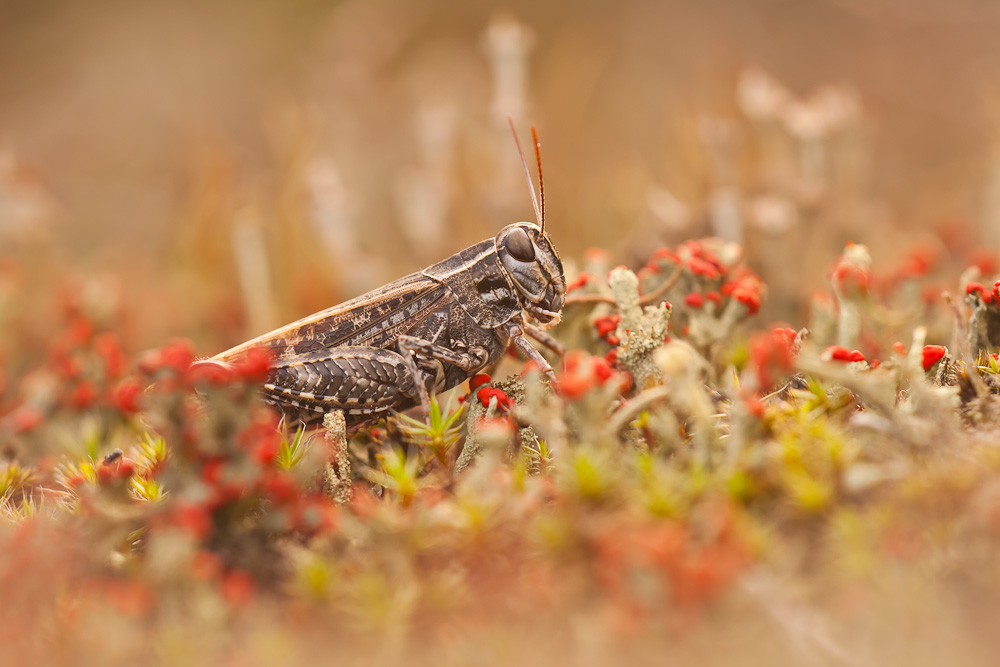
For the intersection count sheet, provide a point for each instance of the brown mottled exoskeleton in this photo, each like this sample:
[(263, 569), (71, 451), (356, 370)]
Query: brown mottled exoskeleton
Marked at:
[(430, 331)]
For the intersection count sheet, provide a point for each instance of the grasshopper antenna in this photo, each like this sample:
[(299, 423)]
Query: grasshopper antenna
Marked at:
[(527, 172), (541, 181)]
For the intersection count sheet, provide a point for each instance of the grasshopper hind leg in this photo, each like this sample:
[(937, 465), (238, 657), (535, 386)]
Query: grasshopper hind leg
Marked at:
[(364, 383)]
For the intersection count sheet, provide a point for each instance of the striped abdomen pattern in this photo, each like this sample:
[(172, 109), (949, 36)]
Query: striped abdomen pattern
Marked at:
[(357, 380)]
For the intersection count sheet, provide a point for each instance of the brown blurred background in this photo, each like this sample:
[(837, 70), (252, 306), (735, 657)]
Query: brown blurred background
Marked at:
[(236, 164)]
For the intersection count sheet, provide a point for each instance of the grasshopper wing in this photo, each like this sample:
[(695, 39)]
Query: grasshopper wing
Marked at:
[(374, 320)]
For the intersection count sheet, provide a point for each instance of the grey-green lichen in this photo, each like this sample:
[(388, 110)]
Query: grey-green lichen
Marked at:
[(641, 330), (491, 441), (337, 475)]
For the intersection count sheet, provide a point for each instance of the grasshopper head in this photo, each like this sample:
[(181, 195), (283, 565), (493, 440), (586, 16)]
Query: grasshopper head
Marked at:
[(533, 265)]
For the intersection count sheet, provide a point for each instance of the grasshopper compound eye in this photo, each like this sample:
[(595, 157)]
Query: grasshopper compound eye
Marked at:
[(520, 246)]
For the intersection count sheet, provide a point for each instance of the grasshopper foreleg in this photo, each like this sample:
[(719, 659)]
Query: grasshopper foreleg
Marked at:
[(516, 332), (411, 345), (544, 338)]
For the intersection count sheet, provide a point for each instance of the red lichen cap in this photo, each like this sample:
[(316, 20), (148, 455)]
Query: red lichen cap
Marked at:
[(922, 258), (109, 349), (974, 288), (582, 372), (839, 353), (745, 287), (749, 297), (255, 365), (178, 355), (657, 259), (478, 381), (485, 394), (932, 354), (209, 371), (980, 290), (83, 395), (580, 281), (773, 355), (126, 397), (607, 324), (701, 267), (851, 273)]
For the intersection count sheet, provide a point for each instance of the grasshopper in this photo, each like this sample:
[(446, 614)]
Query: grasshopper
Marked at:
[(389, 349)]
